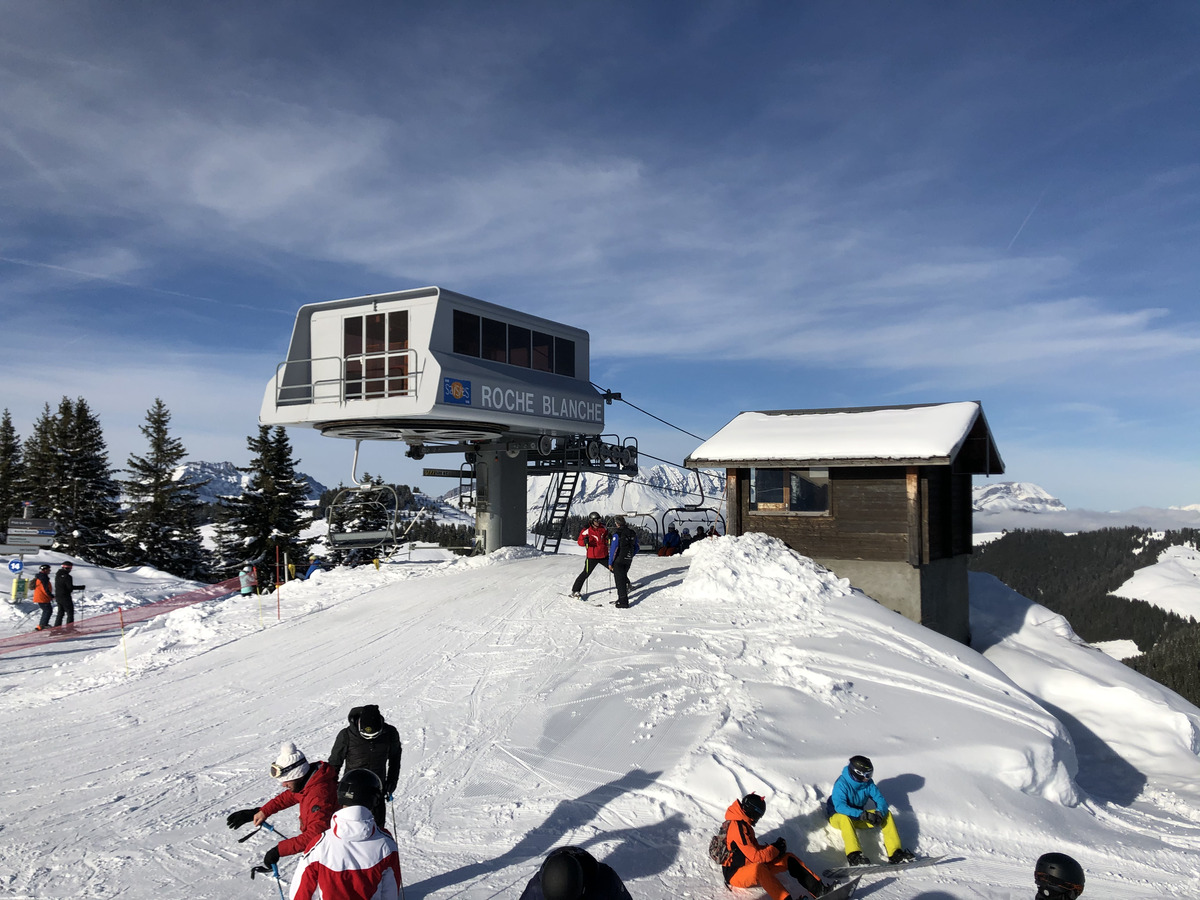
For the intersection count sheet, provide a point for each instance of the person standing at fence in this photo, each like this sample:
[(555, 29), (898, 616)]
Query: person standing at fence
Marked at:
[(64, 587), (43, 595), (246, 580)]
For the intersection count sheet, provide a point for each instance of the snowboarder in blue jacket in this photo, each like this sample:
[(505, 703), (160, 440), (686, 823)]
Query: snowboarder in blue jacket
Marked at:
[(856, 803)]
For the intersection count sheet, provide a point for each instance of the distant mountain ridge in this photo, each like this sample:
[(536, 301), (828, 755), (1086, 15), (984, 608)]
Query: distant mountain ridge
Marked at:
[(226, 480)]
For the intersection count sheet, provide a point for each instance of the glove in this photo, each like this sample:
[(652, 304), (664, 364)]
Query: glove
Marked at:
[(872, 817), (780, 844), (271, 857), (389, 797), (240, 818)]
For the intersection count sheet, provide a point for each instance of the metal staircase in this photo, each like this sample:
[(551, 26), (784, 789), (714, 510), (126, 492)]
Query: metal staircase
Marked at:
[(555, 507)]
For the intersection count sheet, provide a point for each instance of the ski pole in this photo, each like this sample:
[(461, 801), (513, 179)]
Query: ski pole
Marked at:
[(273, 869), (266, 825)]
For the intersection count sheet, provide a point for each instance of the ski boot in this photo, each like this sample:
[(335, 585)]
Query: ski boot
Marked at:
[(900, 857), (857, 859)]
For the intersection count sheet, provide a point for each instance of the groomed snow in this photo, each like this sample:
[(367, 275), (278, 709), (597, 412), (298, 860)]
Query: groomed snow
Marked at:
[(530, 720)]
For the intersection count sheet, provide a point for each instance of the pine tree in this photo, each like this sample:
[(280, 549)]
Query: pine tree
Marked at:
[(86, 506), (42, 466), (12, 472), (263, 525), (162, 525)]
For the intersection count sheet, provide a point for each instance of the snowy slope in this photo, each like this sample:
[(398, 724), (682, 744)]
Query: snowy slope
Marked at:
[(530, 720), (1172, 583)]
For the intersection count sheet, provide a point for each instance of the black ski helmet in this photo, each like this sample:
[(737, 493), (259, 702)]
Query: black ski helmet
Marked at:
[(1058, 876), (360, 787), (754, 806), (861, 769), (562, 877), (594, 517)]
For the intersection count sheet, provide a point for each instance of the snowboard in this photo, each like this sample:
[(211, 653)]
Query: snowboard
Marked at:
[(875, 868), (843, 891)]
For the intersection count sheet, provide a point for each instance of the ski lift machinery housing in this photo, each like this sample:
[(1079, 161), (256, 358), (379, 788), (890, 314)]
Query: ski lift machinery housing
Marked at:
[(446, 373)]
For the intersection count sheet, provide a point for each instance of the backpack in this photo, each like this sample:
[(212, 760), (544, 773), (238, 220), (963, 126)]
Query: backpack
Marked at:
[(719, 850)]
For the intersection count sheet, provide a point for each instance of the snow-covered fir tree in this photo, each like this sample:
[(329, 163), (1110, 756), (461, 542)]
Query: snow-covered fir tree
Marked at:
[(11, 471), (161, 527), (68, 479), (263, 524)]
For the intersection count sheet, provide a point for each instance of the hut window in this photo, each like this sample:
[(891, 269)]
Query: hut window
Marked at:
[(804, 491), (808, 490), (766, 489)]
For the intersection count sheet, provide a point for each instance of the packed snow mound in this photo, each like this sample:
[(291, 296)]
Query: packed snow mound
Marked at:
[(760, 570), (1016, 496)]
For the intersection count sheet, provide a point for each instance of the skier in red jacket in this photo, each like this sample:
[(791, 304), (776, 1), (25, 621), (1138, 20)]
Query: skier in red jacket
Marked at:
[(311, 786), (595, 538)]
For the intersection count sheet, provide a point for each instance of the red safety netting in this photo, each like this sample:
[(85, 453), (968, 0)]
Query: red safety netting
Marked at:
[(114, 620)]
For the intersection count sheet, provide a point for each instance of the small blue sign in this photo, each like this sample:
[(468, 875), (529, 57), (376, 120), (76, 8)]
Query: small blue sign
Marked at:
[(15, 566), (455, 390)]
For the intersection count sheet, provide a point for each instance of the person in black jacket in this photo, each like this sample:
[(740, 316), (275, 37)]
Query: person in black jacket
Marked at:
[(370, 743), (64, 586), (571, 873)]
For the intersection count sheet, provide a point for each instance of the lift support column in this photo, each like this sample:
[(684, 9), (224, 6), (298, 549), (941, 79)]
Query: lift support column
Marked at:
[(500, 500)]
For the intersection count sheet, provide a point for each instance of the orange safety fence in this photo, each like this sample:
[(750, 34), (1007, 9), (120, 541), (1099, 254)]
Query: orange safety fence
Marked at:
[(112, 621)]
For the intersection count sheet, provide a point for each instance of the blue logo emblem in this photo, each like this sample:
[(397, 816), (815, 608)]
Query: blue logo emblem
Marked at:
[(456, 391)]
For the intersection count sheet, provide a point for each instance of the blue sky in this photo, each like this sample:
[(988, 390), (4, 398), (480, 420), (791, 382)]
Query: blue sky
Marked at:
[(748, 205)]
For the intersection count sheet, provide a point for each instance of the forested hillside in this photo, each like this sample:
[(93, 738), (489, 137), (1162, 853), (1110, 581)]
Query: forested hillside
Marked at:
[(1074, 575)]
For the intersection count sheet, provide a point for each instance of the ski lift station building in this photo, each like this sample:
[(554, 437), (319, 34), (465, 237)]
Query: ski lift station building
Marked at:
[(444, 372), (881, 496)]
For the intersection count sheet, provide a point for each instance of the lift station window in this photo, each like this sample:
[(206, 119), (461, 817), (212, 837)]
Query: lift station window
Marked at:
[(514, 345), (375, 349)]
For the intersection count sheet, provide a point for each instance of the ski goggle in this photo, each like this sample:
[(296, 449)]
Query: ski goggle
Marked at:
[(861, 773), (280, 773), (369, 733)]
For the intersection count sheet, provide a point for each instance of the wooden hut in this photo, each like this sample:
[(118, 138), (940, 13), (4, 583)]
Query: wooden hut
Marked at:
[(879, 495)]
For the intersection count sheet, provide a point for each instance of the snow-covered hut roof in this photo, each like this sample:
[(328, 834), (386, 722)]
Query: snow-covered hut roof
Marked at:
[(918, 434)]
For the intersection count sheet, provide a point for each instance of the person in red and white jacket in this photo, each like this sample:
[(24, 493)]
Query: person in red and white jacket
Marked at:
[(355, 859)]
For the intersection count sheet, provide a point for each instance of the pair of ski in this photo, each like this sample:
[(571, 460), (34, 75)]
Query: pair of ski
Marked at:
[(585, 598), (846, 890)]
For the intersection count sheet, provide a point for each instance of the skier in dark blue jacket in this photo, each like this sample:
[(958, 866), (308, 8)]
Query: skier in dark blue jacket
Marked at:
[(855, 803), (622, 547)]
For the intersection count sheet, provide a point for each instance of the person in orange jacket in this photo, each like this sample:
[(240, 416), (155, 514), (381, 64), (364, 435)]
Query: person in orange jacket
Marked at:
[(43, 595), (595, 538), (752, 864)]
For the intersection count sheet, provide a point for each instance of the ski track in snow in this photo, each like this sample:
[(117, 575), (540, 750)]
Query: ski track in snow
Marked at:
[(531, 720)]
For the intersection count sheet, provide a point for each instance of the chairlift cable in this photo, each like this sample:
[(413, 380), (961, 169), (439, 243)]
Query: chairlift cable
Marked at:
[(609, 396)]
